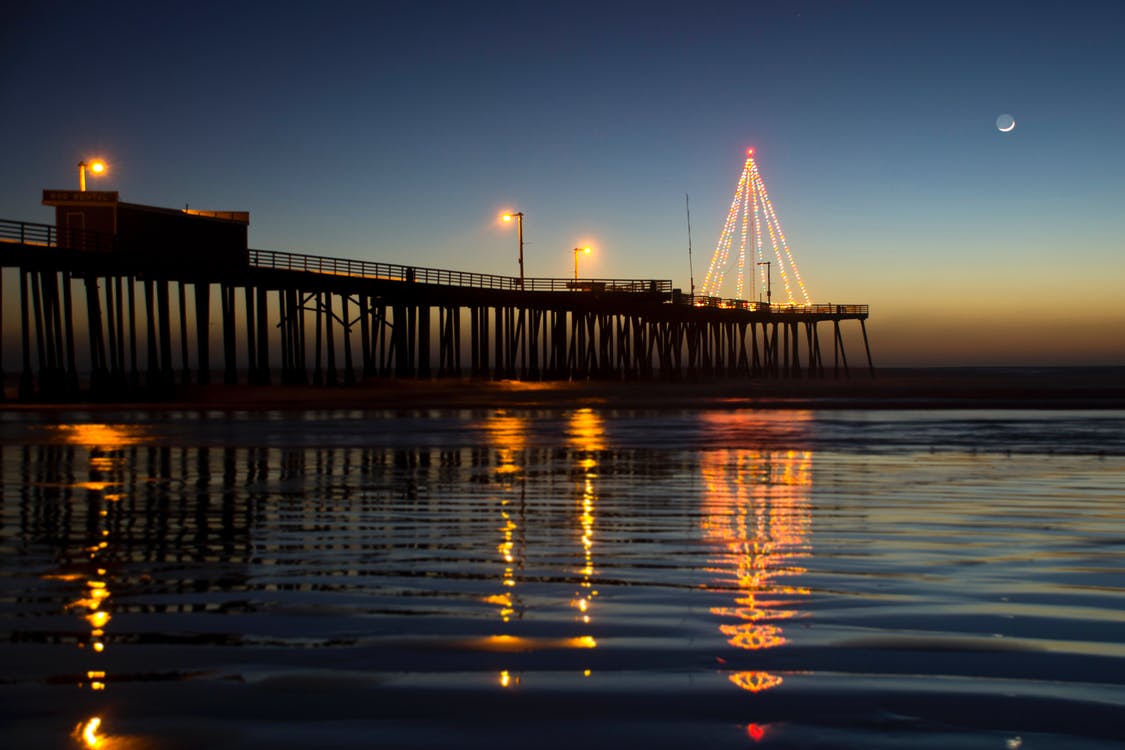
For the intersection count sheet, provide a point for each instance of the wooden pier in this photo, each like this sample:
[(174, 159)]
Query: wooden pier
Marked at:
[(91, 320)]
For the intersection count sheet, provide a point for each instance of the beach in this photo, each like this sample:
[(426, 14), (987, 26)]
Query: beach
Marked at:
[(887, 388), (560, 570)]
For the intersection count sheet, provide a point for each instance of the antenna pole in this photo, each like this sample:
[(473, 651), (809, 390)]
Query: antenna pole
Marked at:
[(691, 269)]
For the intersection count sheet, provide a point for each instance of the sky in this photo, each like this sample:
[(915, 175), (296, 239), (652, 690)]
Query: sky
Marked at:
[(400, 131)]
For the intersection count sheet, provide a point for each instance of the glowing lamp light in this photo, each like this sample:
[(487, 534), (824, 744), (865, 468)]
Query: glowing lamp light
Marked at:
[(518, 216), (97, 166), (583, 251)]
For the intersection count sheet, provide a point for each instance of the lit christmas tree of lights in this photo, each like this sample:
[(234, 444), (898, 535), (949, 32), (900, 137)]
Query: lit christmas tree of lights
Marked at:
[(752, 206)]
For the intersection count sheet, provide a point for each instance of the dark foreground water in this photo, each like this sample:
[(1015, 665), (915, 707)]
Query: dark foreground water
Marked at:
[(563, 579)]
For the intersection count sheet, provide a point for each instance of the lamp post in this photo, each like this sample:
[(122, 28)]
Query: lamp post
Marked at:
[(584, 251), (766, 263), (518, 216), (97, 166)]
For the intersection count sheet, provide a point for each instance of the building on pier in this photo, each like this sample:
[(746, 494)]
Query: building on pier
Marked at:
[(97, 221)]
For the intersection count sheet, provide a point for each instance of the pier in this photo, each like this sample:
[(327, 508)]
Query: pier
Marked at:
[(109, 313)]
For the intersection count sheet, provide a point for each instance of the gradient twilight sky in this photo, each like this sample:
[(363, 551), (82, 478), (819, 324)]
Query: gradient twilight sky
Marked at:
[(398, 131)]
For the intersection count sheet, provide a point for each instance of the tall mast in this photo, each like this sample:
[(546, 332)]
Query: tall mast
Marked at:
[(691, 269)]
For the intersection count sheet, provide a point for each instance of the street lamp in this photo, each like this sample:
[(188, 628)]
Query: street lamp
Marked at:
[(518, 216), (97, 166), (584, 251), (766, 263)]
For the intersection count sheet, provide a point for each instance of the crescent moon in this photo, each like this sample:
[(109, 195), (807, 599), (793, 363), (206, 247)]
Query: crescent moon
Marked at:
[(1010, 128)]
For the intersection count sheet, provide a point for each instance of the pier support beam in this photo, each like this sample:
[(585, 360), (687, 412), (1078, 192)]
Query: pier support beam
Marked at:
[(262, 320), (202, 332), (3, 392), (27, 380), (134, 369), (318, 339), (163, 295), (346, 325), (365, 347), (98, 372), (230, 345), (185, 364), (842, 356), (423, 336), (867, 347), (331, 376)]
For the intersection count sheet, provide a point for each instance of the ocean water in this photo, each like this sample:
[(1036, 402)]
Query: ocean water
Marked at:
[(562, 578)]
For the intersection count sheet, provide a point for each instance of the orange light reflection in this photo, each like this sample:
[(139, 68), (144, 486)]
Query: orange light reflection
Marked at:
[(755, 682), (507, 443), (98, 619), (104, 442), (525, 644), (586, 431), (106, 436), (88, 732), (587, 436), (757, 515)]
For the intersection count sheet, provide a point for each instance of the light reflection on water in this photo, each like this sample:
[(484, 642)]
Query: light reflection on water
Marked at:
[(553, 573), (756, 507)]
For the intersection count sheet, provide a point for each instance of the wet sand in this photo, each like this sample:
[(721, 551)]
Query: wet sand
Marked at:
[(565, 577), (937, 388)]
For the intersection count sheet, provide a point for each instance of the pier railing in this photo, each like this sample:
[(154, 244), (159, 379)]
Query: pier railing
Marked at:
[(46, 235), (776, 307), (286, 261), (27, 233)]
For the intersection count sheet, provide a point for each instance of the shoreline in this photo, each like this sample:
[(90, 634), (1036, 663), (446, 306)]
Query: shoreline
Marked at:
[(1095, 388)]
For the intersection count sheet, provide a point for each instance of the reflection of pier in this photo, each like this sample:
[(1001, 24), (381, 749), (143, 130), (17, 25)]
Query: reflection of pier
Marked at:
[(307, 544), (756, 509), (139, 310)]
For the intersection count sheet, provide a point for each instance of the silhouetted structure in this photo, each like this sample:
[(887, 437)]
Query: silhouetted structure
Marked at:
[(145, 277)]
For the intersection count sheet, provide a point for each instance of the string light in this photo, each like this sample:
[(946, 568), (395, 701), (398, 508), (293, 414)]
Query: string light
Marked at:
[(752, 200), (746, 196)]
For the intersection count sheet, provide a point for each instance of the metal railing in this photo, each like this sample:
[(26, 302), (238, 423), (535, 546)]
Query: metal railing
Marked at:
[(771, 307), (286, 261), (46, 235), (27, 233)]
